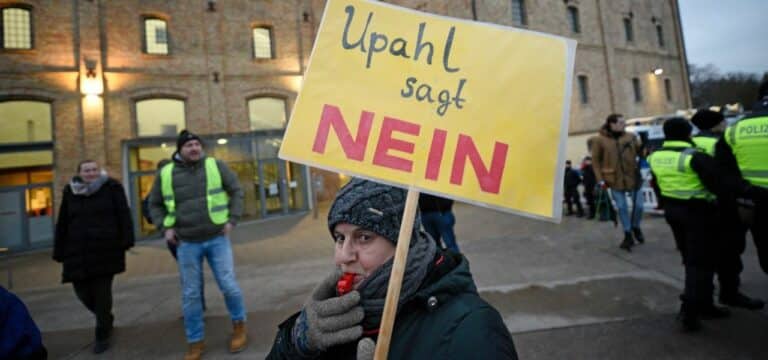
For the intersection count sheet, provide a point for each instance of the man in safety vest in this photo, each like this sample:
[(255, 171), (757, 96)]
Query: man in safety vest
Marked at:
[(196, 201), (743, 152), (687, 180), (734, 234)]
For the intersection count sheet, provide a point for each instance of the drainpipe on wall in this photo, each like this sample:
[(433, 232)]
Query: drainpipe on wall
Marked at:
[(608, 73), (682, 53)]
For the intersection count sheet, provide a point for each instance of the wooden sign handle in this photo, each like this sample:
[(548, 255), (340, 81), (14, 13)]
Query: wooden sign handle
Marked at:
[(396, 277)]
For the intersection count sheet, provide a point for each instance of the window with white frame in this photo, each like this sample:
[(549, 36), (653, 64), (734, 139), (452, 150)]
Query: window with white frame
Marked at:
[(262, 43), (17, 28), (155, 36), (267, 113), (160, 117)]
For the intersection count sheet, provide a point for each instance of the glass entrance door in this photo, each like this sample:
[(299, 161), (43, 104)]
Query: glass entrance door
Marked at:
[(12, 219), (273, 186)]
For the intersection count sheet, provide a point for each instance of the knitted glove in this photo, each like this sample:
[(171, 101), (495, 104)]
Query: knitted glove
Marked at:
[(365, 349), (327, 320)]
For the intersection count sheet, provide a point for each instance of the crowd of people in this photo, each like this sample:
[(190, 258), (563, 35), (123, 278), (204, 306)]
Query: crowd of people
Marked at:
[(713, 188)]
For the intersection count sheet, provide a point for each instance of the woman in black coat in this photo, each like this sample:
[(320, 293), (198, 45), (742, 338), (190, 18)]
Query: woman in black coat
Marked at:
[(93, 231)]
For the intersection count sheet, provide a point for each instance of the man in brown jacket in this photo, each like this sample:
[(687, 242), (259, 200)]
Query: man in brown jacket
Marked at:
[(615, 161)]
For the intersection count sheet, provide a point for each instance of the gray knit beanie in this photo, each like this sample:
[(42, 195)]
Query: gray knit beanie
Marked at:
[(372, 206)]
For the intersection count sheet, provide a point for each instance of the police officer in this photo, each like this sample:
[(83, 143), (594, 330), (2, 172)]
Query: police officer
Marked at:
[(687, 180), (712, 125), (743, 152)]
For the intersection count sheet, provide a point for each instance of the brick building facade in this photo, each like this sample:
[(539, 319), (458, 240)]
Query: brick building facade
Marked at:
[(114, 81)]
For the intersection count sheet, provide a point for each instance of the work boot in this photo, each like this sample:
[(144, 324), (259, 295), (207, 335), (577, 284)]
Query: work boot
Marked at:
[(710, 311), (638, 235), (627, 243), (100, 346), (239, 340), (738, 299), (689, 320), (195, 351)]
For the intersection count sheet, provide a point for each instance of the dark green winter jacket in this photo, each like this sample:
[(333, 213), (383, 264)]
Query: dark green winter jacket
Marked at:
[(193, 223), (458, 325)]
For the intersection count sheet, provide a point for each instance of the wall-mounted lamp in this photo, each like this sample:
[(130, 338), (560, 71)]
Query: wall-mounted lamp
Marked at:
[(91, 85), (657, 71), (221, 141), (90, 68)]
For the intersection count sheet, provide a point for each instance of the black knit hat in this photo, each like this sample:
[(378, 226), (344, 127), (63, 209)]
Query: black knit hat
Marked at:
[(372, 206), (677, 129), (707, 119), (185, 136)]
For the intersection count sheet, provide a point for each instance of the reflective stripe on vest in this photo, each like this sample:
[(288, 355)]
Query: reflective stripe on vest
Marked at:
[(748, 139), (216, 197), (705, 144), (674, 175)]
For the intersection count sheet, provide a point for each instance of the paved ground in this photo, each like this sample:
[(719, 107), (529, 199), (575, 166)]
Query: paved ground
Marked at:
[(565, 291)]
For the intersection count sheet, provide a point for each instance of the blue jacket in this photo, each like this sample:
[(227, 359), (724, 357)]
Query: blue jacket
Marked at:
[(19, 336)]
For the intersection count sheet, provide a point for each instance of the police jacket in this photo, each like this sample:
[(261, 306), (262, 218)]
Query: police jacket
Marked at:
[(707, 170)]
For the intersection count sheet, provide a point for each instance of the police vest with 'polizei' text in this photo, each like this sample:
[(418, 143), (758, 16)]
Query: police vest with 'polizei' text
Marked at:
[(748, 139), (672, 167), (217, 198)]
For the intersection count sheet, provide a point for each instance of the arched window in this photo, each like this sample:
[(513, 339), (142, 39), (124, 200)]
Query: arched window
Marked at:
[(160, 117), (155, 36), (16, 28), (266, 113), (26, 174)]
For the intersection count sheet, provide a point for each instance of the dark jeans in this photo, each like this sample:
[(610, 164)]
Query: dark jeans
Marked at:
[(759, 231), (695, 228), (174, 251), (440, 225), (572, 196), (589, 194), (96, 295), (729, 267)]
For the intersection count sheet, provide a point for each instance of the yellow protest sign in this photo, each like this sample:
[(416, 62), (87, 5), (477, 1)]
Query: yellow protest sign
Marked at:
[(471, 111)]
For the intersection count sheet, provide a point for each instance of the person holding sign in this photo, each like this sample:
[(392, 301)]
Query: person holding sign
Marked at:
[(440, 314)]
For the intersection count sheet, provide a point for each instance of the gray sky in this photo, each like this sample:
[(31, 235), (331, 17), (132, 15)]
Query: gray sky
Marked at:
[(732, 35)]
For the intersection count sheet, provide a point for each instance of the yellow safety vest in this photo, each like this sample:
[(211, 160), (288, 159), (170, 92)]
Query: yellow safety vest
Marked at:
[(705, 144), (748, 139), (217, 198), (672, 167)]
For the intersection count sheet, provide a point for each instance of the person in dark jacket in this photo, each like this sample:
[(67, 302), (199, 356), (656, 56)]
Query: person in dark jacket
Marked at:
[(440, 314), (729, 267), (438, 220), (743, 154), (93, 231), (19, 336), (688, 180), (571, 181), (590, 181)]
